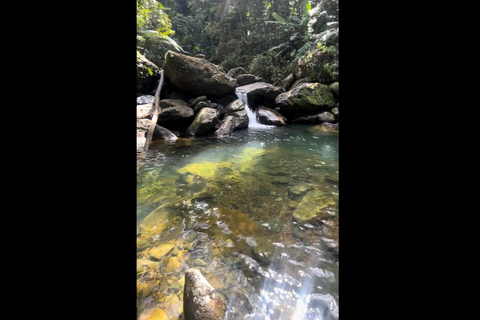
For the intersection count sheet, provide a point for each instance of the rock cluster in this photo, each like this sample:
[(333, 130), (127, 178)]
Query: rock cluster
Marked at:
[(200, 98)]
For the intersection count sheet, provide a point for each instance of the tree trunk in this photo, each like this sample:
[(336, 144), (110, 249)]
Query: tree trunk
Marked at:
[(156, 111)]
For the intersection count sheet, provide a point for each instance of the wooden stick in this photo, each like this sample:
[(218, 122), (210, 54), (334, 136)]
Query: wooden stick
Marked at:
[(155, 114)]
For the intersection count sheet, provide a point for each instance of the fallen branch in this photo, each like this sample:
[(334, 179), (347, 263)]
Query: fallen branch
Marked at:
[(156, 111)]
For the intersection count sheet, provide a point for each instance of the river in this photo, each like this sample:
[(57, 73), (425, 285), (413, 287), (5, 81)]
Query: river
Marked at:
[(256, 213)]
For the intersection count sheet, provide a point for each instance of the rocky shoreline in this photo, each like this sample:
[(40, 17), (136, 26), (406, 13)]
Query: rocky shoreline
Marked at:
[(199, 99)]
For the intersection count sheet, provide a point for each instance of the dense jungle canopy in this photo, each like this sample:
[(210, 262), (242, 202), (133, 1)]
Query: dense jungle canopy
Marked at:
[(269, 38)]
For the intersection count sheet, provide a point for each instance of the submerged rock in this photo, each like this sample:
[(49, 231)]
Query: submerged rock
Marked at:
[(200, 301), (311, 206), (153, 314), (197, 75), (325, 127)]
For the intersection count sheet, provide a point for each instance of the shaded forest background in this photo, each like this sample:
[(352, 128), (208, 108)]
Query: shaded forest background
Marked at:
[(271, 39)]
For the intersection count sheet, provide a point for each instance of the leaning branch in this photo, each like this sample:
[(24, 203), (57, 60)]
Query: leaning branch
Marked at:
[(155, 113)]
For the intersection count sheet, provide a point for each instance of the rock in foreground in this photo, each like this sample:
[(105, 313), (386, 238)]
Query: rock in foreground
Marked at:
[(200, 301)]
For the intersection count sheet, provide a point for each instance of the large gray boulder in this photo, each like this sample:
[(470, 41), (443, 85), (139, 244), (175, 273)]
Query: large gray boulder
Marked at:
[(226, 128), (200, 301), (204, 122), (245, 79), (197, 75), (235, 105), (305, 98), (270, 117), (260, 90), (240, 119), (174, 109)]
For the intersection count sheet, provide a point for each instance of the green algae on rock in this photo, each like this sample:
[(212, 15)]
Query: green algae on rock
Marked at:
[(311, 205)]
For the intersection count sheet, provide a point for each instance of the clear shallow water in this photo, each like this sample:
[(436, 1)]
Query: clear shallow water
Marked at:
[(256, 212)]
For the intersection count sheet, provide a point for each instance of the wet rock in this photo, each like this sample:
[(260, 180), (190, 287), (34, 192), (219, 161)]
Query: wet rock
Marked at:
[(160, 251), (204, 122), (326, 117), (260, 90), (305, 98), (197, 75), (234, 106), (153, 314), (200, 301), (311, 206), (325, 127), (146, 99), (264, 250), (173, 265), (245, 79), (226, 128), (240, 118), (299, 189), (270, 117), (235, 72), (144, 264)]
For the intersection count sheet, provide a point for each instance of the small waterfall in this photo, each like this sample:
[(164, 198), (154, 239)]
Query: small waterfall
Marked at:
[(252, 116)]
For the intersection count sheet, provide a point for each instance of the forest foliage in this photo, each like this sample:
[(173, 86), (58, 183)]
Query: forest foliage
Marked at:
[(269, 38)]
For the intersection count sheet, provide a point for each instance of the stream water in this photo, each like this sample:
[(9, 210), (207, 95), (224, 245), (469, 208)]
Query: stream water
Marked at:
[(256, 213)]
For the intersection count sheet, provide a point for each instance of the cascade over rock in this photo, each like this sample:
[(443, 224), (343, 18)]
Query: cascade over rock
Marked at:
[(197, 75)]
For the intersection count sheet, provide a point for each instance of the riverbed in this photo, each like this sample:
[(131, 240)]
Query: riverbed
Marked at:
[(256, 213)]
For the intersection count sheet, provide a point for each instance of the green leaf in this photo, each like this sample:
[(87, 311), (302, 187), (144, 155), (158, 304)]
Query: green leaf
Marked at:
[(309, 6), (293, 36), (278, 18)]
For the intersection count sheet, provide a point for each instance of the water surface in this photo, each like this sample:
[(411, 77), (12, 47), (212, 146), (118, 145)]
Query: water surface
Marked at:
[(256, 212)]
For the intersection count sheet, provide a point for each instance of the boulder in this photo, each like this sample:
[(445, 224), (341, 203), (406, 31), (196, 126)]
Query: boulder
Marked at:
[(235, 72), (145, 110), (245, 79), (235, 105), (226, 128), (325, 117), (197, 75), (173, 109), (335, 88), (260, 89), (305, 98), (270, 117), (240, 119), (197, 100), (335, 112), (158, 133), (204, 122), (325, 127), (200, 301), (199, 106), (144, 99)]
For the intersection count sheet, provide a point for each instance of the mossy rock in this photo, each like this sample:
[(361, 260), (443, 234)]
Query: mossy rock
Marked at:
[(312, 204), (305, 98), (335, 88)]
